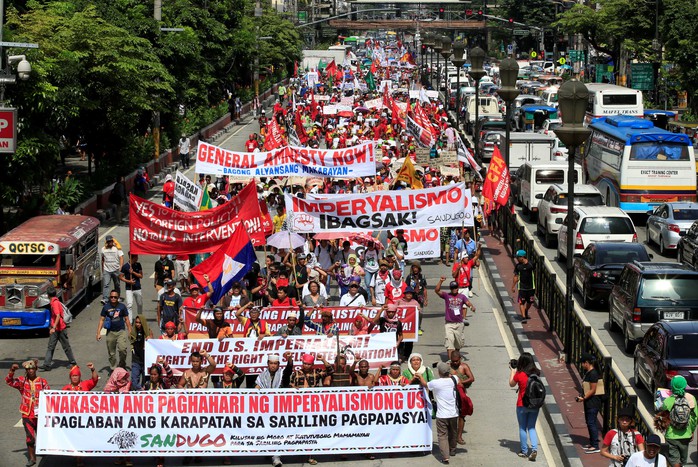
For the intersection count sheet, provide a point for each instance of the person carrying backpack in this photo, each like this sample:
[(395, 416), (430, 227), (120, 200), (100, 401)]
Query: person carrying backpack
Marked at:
[(683, 419), (526, 376)]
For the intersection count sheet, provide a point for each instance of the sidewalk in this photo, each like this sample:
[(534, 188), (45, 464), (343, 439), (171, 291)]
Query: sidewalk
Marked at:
[(564, 383)]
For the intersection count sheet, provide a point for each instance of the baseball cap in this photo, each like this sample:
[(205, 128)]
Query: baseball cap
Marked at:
[(169, 282), (109, 238), (194, 287), (626, 411), (453, 285), (521, 254), (653, 439), (302, 256), (409, 290), (444, 369), (168, 177)]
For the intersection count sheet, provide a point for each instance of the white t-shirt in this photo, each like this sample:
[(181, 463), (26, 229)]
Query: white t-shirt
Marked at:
[(324, 258), (111, 259), (358, 300), (444, 393), (378, 284), (371, 258), (639, 460), (184, 145)]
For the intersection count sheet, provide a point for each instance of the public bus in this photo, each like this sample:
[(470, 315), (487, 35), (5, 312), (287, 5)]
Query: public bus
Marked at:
[(58, 251), (637, 166), (609, 99)]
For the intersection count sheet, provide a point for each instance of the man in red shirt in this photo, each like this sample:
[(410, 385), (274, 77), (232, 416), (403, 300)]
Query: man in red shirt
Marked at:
[(168, 191), (251, 144), (197, 300), (171, 332), (58, 331), (76, 384), (462, 272), (395, 288)]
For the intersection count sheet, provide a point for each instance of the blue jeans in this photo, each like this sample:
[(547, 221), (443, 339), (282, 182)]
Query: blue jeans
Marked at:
[(527, 428), (112, 277), (367, 279), (136, 376), (591, 414)]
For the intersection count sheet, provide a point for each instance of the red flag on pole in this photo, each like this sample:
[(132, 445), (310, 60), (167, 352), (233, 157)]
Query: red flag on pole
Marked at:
[(273, 138), (295, 69), (497, 186), (300, 130)]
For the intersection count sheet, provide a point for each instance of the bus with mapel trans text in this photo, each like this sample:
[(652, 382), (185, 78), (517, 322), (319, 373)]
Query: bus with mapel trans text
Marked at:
[(637, 166), (55, 250), (609, 99)]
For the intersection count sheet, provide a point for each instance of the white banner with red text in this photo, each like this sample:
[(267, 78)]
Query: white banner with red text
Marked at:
[(250, 354), (286, 161), (443, 206), (244, 422), (422, 243), (275, 317)]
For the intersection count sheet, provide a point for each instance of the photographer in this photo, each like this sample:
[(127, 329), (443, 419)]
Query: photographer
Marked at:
[(620, 443), (521, 370)]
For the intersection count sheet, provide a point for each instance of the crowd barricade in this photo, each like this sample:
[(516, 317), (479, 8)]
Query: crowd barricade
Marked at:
[(573, 330)]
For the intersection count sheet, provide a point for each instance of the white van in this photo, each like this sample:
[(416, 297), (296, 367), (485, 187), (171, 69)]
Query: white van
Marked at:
[(535, 179), (549, 96), (528, 147)]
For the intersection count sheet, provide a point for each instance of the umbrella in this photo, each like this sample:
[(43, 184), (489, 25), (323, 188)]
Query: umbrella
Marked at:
[(345, 113), (330, 235), (364, 238), (363, 110), (286, 240)]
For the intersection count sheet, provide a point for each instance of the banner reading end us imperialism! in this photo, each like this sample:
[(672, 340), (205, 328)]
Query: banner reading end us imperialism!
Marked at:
[(351, 162), (444, 206), (156, 229), (243, 422), (250, 354)]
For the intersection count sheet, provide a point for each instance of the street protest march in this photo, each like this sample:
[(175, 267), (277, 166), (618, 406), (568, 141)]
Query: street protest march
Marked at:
[(275, 317), (351, 162), (250, 354), (156, 229), (187, 195), (442, 206), (220, 422)]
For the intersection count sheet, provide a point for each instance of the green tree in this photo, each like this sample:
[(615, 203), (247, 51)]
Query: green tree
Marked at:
[(679, 32)]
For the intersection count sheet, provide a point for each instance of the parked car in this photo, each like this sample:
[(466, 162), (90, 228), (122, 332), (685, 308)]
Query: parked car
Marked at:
[(550, 124), (687, 249), (596, 271), (596, 224), (668, 222), (553, 208), (669, 348), (649, 292)]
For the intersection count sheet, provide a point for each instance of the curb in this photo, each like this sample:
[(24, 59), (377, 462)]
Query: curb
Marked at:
[(551, 409)]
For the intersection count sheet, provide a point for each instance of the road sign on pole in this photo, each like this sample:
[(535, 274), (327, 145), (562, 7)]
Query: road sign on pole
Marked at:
[(521, 32)]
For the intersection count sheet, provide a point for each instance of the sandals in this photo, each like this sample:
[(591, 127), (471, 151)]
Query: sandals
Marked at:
[(312, 461)]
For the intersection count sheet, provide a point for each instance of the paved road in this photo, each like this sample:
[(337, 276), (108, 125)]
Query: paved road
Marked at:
[(598, 316), (492, 433)]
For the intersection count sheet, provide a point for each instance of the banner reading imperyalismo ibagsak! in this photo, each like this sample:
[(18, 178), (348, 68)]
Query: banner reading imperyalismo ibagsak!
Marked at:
[(444, 206), (351, 162), (244, 422)]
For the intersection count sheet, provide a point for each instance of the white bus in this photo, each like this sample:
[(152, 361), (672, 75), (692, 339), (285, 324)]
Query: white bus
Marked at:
[(637, 166), (608, 99)]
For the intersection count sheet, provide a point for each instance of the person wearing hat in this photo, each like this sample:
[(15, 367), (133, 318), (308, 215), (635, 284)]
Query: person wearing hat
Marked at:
[(678, 435), (395, 289), (29, 387), (622, 442), (112, 262), (168, 192), (446, 410), (171, 332), (525, 281), (592, 401), (232, 377), (198, 296), (379, 282), (353, 297), (409, 299), (455, 313), (650, 456), (462, 272), (218, 327), (326, 326), (169, 305), (184, 147), (76, 381)]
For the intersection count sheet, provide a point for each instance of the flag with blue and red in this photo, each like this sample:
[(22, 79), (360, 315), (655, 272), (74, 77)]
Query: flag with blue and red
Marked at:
[(227, 265)]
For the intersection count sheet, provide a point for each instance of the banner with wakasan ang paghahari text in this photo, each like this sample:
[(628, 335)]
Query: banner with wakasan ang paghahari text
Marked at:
[(286, 161), (443, 206), (243, 422), (156, 229), (276, 317), (250, 354)]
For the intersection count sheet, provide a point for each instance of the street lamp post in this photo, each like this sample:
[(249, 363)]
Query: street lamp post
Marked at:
[(446, 54), (572, 101), (437, 48), (429, 43), (508, 71), (458, 61), (477, 59)]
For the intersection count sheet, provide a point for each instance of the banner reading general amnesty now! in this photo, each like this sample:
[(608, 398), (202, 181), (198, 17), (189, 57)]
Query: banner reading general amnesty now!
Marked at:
[(351, 162), (223, 422), (250, 354), (443, 206)]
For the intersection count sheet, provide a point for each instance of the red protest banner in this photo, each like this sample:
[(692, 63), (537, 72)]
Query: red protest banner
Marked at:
[(155, 229), (497, 185), (277, 316)]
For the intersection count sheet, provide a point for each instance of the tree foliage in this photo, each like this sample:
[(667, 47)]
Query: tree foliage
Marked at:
[(679, 33)]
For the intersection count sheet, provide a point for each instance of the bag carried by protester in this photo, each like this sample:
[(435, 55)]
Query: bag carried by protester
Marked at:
[(534, 394), (680, 413), (67, 315), (464, 403)]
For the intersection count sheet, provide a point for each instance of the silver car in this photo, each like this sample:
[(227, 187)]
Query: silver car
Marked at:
[(668, 222)]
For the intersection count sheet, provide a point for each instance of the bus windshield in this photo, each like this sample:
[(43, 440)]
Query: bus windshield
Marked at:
[(656, 151), (26, 261)]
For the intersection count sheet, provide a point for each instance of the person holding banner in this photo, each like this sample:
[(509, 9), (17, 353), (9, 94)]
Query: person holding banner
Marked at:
[(394, 376), (232, 378), (395, 289), (363, 377), (218, 327), (353, 297), (326, 326), (29, 387), (291, 328), (252, 325)]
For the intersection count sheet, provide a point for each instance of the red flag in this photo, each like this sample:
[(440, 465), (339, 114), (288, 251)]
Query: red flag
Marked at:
[(313, 105), (331, 68), (374, 66), (295, 69), (421, 117), (497, 186), (273, 138), (396, 114), (302, 135)]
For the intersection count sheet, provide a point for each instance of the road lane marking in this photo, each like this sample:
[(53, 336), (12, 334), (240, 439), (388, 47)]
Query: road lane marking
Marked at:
[(242, 127)]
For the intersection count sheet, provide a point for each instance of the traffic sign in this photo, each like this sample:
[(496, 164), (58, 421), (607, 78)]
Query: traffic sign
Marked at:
[(562, 61), (8, 130), (534, 54), (521, 32)]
